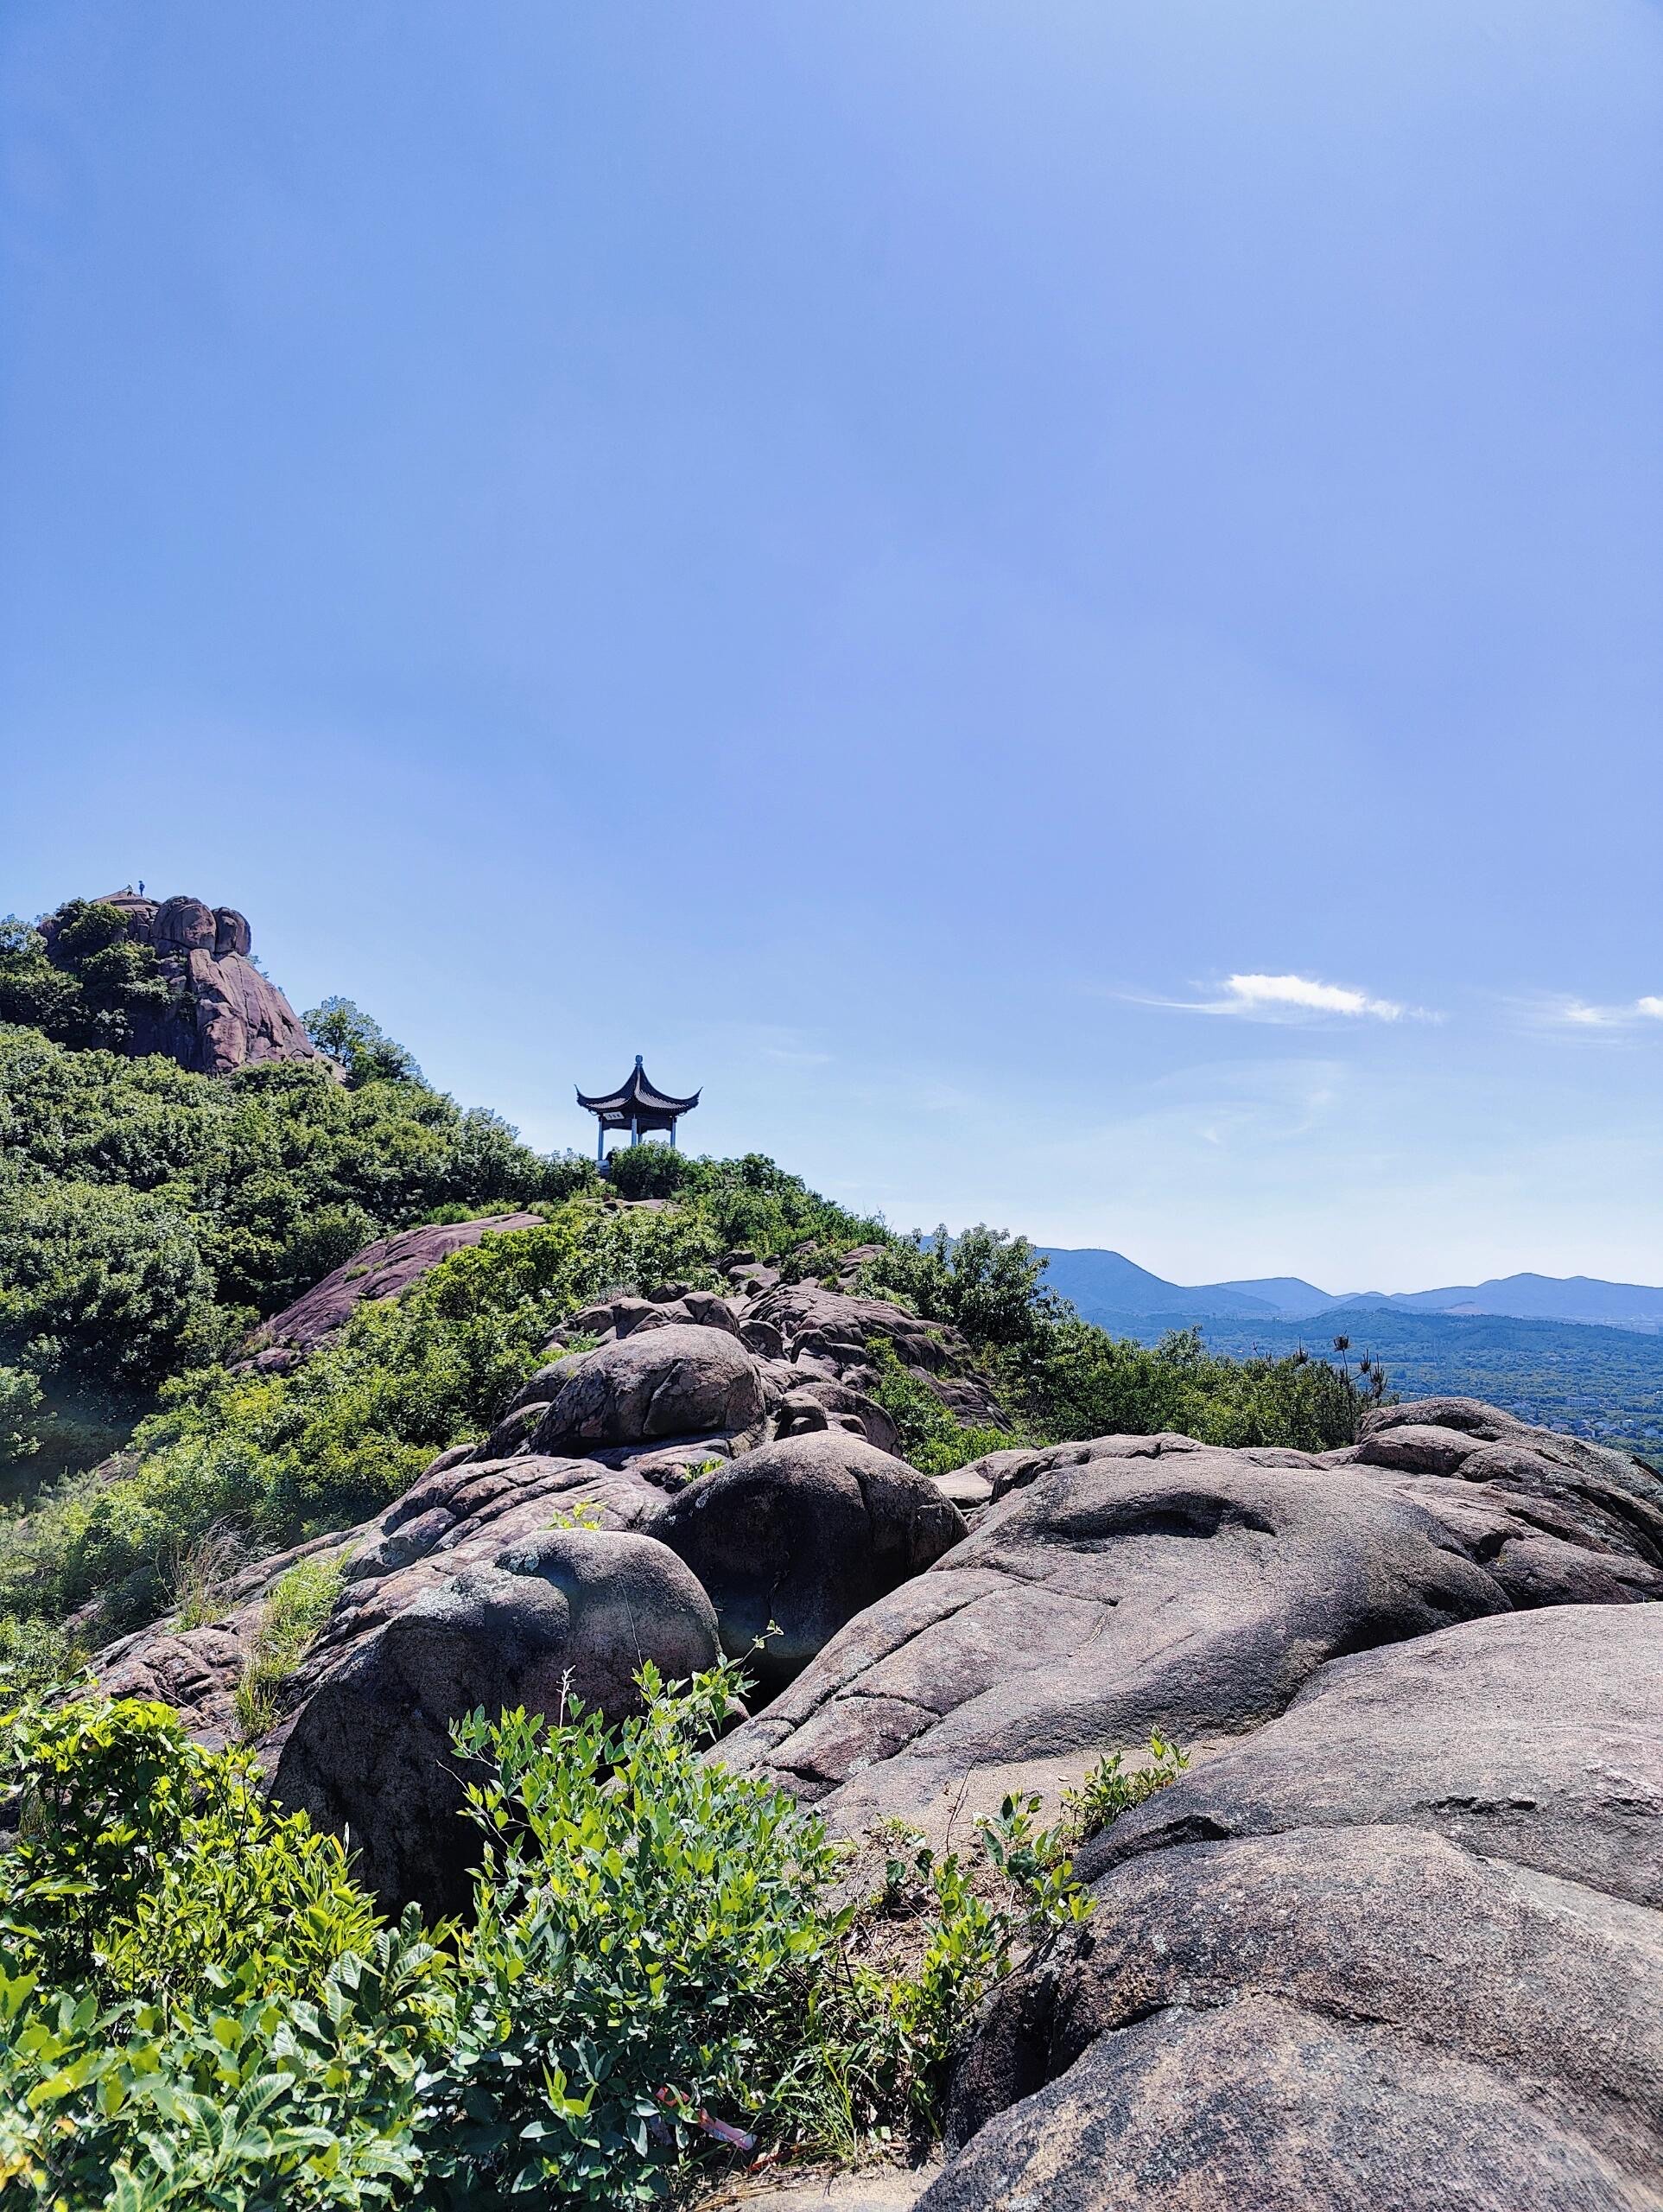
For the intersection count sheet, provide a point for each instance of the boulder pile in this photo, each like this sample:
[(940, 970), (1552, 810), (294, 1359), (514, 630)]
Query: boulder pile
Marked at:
[(1393, 1941)]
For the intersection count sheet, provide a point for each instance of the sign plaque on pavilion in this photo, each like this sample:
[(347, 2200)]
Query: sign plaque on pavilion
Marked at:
[(636, 1106)]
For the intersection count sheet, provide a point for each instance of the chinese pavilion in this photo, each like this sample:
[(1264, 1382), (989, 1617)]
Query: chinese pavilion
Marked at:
[(635, 1106)]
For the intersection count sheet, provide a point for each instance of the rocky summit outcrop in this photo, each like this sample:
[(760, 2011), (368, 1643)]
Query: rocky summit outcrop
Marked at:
[(223, 1013), (1402, 1949), (1140, 1583), (573, 1611), (795, 1539), (384, 1270)]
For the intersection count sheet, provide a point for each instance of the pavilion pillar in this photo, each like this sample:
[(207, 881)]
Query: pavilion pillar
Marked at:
[(672, 1134), (601, 1144), (635, 1131)]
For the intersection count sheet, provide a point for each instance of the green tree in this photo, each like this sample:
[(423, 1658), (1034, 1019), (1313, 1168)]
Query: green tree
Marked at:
[(342, 1029), (90, 986)]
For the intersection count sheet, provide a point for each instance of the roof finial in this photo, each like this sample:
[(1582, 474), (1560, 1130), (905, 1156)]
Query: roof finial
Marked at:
[(638, 1059)]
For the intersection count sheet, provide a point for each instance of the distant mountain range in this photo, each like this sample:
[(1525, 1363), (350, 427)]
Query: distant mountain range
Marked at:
[(1105, 1286)]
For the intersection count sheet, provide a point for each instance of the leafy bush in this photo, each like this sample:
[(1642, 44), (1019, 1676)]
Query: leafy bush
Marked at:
[(101, 1277), (1110, 1789), (279, 1456), (753, 1205), (358, 1044), (985, 1282), (1075, 1380), (649, 1171), (271, 1177), (650, 1950), (199, 2006), (933, 1438), (21, 1401)]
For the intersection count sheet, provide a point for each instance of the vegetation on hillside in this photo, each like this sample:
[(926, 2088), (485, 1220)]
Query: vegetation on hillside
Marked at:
[(92, 985), (149, 1216), (200, 2006)]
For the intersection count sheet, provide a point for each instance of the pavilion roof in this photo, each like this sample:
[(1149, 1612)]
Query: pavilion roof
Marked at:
[(638, 1095)]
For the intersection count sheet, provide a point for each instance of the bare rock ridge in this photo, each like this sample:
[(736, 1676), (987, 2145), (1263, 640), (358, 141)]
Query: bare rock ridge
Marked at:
[(223, 1013), (382, 1269), (1392, 1943), (1402, 1948)]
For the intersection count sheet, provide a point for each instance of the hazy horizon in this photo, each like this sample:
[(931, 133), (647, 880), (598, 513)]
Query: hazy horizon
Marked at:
[(1062, 607)]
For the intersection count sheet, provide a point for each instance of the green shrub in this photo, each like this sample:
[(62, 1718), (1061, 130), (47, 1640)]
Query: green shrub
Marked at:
[(985, 1282), (650, 1950), (274, 1175), (21, 1404), (1110, 1789), (1075, 1380), (933, 1439), (199, 2006), (358, 1044), (91, 989), (275, 1457), (649, 1171), (104, 1278)]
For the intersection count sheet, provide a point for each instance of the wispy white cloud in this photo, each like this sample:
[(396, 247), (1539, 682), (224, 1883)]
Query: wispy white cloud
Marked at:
[(1579, 1014), (1290, 998), (1255, 994)]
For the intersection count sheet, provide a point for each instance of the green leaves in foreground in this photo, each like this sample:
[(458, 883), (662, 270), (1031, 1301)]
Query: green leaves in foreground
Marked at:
[(199, 2007)]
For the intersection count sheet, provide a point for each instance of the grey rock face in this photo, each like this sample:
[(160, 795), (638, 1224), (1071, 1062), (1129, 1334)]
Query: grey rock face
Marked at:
[(804, 1532), (1534, 1736), (368, 1754), (827, 1332), (678, 1380), (461, 1513), (1142, 1583), (1399, 1950)]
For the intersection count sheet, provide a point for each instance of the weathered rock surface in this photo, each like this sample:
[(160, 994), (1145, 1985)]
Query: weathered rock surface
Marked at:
[(677, 1380), (1400, 1950), (460, 1514), (1534, 1736), (223, 1013), (368, 1754), (827, 1332), (1139, 1583), (804, 1533), (1147, 1583), (384, 1270)]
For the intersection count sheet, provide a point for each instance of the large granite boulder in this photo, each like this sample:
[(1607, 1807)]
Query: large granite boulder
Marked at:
[(1139, 1583), (384, 1270), (679, 1380), (460, 1514), (223, 1013), (571, 1612), (1400, 1951), (803, 1534)]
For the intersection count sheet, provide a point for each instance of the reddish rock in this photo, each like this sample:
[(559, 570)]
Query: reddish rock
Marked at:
[(382, 1269), (223, 1013)]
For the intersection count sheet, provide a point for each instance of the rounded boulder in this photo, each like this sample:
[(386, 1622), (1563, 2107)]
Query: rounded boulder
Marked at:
[(675, 1381), (803, 1534), (369, 1754)]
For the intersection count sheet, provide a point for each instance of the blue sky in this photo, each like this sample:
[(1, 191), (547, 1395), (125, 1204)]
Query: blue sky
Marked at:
[(881, 553)]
